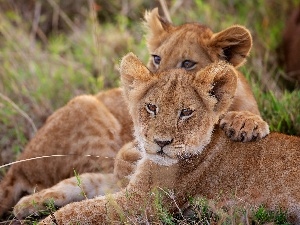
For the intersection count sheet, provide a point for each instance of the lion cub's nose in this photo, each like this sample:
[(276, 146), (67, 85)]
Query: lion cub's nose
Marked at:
[(163, 143)]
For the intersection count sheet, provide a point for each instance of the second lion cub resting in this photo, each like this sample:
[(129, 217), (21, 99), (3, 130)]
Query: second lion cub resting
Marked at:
[(174, 115)]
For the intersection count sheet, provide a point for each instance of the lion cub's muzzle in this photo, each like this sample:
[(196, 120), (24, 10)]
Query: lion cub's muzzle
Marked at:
[(162, 144)]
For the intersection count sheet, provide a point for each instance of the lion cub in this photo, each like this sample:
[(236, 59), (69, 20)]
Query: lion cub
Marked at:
[(174, 115)]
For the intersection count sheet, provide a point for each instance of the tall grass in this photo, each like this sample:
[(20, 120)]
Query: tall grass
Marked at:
[(41, 76)]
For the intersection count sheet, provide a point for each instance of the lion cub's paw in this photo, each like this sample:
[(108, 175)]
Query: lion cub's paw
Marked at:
[(32, 205), (244, 126), (126, 160)]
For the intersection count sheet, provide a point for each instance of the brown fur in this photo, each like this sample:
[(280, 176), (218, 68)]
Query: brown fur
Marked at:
[(89, 127), (196, 161), (91, 185), (101, 125)]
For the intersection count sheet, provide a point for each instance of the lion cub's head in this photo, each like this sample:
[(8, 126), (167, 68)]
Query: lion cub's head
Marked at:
[(193, 46), (174, 112)]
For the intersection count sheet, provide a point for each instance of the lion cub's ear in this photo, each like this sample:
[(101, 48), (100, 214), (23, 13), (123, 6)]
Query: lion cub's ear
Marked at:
[(133, 73), (217, 82), (156, 29), (232, 44)]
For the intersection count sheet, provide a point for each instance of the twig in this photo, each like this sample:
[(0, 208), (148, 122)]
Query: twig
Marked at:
[(165, 10), (172, 196), (7, 33), (62, 15), (17, 108), (36, 19), (176, 6), (96, 32), (10, 221), (42, 35), (49, 156), (55, 18), (291, 76)]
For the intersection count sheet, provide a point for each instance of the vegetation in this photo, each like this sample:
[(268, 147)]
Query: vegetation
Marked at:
[(199, 211), (42, 69), (203, 211)]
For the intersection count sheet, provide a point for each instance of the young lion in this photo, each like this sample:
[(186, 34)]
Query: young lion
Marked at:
[(174, 115), (100, 125)]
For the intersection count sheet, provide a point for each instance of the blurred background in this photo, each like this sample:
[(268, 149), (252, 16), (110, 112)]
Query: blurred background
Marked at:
[(54, 50)]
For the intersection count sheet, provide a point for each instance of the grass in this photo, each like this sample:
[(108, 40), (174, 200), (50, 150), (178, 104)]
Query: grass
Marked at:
[(42, 78), (39, 76), (199, 211), (220, 212), (79, 184)]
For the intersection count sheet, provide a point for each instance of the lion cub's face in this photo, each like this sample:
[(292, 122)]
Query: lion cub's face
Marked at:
[(181, 49), (167, 116), (192, 46), (174, 112)]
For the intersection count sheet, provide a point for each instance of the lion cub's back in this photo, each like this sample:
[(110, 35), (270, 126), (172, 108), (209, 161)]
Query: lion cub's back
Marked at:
[(262, 172)]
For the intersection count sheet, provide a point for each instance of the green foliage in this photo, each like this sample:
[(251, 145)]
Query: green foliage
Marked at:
[(279, 113), (79, 184), (204, 211), (164, 215), (40, 78), (263, 216), (279, 109), (42, 213)]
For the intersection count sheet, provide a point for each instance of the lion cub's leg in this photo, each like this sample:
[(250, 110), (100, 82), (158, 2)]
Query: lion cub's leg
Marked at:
[(74, 189), (243, 121), (12, 188), (126, 161), (85, 126), (88, 185)]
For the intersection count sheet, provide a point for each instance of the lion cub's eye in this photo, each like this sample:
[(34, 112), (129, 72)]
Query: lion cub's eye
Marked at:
[(156, 59), (188, 64), (186, 113), (151, 108)]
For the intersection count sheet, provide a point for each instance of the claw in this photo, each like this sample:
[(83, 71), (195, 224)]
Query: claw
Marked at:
[(230, 133), (254, 137), (222, 125), (243, 126), (243, 136)]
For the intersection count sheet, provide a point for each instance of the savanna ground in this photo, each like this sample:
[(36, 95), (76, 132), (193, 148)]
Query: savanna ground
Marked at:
[(52, 51)]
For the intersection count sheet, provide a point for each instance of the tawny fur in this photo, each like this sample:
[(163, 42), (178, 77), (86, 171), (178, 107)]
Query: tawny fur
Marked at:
[(87, 185), (197, 160), (100, 125)]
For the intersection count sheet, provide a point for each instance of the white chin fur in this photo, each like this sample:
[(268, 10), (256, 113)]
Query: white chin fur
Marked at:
[(160, 160)]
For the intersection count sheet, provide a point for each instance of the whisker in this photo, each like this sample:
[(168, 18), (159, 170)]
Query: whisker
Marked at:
[(149, 142), (182, 146)]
